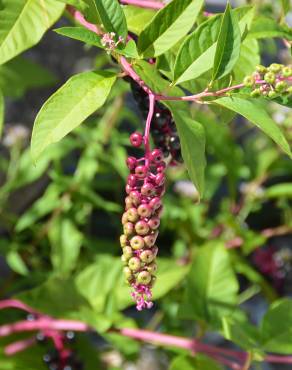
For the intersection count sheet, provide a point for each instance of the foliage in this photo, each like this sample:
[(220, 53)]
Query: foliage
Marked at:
[(225, 208)]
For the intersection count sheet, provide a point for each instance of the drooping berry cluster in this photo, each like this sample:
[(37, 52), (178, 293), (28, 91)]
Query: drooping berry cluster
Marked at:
[(164, 132), (141, 219), (275, 81)]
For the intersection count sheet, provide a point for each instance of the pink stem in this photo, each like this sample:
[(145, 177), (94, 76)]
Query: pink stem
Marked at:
[(19, 346), (224, 361), (43, 324), (14, 303), (80, 19), (147, 126), (144, 3), (279, 359)]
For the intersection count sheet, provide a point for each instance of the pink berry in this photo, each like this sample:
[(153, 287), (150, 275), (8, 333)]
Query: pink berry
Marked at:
[(161, 167), (156, 156), (150, 239), (154, 223), (128, 202), (131, 163), (135, 197), (147, 190), (128, 189), (155, 203), (132, 180), (136, 139), (141, 171), (144, 210), (142, 228), (160, 179)]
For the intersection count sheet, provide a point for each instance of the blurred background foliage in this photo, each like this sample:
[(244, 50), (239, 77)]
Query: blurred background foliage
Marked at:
[(60, 220)]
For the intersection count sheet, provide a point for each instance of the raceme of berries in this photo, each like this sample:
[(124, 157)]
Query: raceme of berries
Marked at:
[(272, 81), (141, 219), (163, 130)]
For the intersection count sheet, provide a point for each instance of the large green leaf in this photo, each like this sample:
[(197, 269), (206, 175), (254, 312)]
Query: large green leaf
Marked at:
[(276, 328), (256, 112), (228, 45), (197, 53), (168, 26), (211, 291), (112, 17), (265, 27), (199, 362), (192, 138), (81, 95), (249, 57), (23, 23), (20, 74), (137, 17), (78, 4), (1, 111), (65, 241)]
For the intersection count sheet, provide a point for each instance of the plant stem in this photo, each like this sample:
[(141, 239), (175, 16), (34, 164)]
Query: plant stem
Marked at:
[(144, 3), (147, 127)]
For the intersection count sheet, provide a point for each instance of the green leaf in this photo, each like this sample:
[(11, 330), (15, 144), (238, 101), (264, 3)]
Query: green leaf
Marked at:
[(241, 333), (192, 138), (81, 95), (112, 17), (276, 328), (97, 281), (66, 241), (56, 297), (16, 263), (91, 38), (20, 74), (23, 24), (78, 4), (196, 54), (137, 17), (228, 45), (2, 107), (249, 57), (256, 112), (199, 362), (168, 26), (283, 190), (286, 6), (211, 290), (265, 27)]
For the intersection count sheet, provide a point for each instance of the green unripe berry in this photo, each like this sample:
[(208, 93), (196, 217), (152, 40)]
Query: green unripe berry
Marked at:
[(152, 268), (134, 264), (125, 218), (275, 67), (147, 256), (287, 72), (249, 81), (137, 242), (255, 93), (128, 273), (132, 214), (124, 259), (261, 69), (123, 240), (128, 228), (270, 77), (281, 86), (127, 252), (272, 94), (144, 277)]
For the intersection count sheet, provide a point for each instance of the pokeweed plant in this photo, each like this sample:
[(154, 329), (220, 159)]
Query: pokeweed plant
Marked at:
[(184, 65)]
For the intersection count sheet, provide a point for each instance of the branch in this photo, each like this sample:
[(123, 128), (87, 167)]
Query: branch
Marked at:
[(144, 3)]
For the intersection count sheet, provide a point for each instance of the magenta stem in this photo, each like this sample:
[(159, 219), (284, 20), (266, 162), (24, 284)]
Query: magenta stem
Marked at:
[(19, 346), (148, 125), (144, 3), (14, 303), (80, 19)]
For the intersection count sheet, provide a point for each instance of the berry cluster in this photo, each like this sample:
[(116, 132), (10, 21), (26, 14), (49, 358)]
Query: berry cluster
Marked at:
[(141, 219), (163, 131), (274, 81)]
